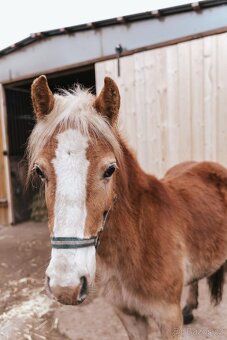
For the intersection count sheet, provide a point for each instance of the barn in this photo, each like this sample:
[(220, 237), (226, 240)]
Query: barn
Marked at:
[(170, 65)]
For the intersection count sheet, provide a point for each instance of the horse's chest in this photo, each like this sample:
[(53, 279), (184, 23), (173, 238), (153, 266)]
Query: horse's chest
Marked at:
[(117, 294)]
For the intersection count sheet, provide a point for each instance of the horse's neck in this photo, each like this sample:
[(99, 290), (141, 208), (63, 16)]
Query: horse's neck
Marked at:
[(123, 233), (135, 187), (132, 180)]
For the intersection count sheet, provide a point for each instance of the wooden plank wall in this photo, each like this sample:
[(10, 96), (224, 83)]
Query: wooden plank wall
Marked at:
[(6, 208), (3, 192), (174, 102)]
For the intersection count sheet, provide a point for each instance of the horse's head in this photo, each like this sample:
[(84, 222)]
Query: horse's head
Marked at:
[(75, 151)]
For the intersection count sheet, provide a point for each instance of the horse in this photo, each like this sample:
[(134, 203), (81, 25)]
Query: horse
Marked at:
[(114, 229)]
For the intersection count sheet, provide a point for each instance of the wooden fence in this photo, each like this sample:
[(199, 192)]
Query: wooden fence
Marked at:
[(174, 102)]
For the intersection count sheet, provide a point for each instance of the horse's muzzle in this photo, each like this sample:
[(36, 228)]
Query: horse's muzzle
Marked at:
[(68, 295)]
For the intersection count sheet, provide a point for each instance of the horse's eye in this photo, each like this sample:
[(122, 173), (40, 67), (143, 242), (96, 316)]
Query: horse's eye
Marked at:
[(40, 173), (109, 171)]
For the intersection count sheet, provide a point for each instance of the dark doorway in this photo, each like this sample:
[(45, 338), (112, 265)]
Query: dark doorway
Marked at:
[(20, 122)]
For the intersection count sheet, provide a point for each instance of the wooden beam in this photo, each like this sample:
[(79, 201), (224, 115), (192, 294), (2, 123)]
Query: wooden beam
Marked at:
[(3, 208), (6, 211)]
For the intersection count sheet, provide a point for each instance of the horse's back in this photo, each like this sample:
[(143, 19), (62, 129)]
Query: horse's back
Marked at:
[(200, 190), (207, 171), (178, 169), (202, 186)]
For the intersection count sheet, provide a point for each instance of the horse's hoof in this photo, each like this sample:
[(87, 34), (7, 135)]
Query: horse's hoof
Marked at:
[(187, 315)]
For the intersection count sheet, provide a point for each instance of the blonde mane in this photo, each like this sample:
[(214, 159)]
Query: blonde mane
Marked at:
[(72, 109)]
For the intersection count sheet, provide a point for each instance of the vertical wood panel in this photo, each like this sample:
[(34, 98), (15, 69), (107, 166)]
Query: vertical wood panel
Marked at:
[(99, 76), (152, 116), (128, 112), (6, 213), (161, 93), (172, 146), (210, 93), (3, 193), (184, 103), (222, 98), (140, 104), (197, 101)]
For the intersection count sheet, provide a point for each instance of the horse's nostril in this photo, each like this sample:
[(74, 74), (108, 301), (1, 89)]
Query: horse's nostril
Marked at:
[(83, 289)]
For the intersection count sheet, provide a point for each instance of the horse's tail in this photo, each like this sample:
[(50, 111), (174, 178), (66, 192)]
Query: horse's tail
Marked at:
[(216, 283)]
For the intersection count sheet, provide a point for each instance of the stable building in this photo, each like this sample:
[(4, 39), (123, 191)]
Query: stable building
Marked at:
[(171, 69)]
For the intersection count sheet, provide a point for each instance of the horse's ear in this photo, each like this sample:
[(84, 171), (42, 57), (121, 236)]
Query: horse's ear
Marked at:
[(108, 101), (42, 97)]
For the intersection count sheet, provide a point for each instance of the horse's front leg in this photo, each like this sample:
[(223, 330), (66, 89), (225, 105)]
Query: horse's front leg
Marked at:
[(191, 302), (135, 325), (170, 322)]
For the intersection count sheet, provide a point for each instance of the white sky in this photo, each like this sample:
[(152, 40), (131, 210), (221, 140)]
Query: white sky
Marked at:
[(19, 18)]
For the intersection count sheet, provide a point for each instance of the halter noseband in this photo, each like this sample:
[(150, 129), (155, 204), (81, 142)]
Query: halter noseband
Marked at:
[(77, 242), (73, 242)]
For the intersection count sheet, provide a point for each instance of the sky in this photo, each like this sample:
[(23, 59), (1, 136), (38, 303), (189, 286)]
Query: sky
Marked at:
[(20, 18)]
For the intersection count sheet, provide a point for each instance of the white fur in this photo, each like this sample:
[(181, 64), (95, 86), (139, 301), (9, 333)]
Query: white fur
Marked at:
[(67, 266)]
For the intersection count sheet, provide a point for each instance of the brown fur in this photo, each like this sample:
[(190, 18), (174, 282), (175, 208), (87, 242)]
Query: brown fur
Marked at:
[(42, 97), (108, 102), (50, 187), (161, 234), (171, 218)]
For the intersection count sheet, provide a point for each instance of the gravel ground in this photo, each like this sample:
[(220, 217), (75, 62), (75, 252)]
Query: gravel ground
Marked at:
[(27, 313)]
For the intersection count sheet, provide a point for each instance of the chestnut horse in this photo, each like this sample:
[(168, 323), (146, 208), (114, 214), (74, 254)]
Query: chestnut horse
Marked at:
[(113, 227)]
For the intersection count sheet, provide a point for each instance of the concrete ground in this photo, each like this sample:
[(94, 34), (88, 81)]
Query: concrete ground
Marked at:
[(27, 313)]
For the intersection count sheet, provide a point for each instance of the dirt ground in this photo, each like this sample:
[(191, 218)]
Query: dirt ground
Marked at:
[(27, 313)]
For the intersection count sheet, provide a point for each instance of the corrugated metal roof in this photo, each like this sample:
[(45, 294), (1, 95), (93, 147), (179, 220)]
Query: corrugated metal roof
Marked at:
[(200, 5)]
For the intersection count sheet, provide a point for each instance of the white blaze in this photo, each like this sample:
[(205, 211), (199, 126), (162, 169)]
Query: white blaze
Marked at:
[(67, 266)]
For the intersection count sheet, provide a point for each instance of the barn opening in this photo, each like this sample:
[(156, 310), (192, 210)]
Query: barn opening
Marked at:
[(20, 122)]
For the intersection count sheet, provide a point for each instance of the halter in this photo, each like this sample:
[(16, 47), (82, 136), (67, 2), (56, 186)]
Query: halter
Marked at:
[(77, 242), (73, 242)]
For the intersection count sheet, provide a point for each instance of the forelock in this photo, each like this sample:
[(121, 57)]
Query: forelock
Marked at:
[(73, 109)]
